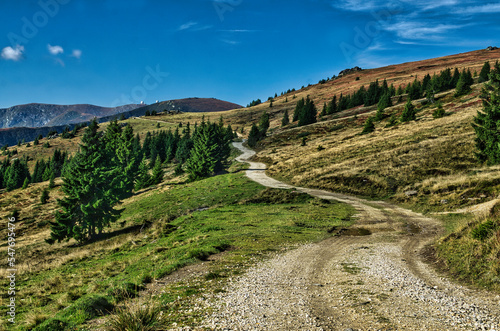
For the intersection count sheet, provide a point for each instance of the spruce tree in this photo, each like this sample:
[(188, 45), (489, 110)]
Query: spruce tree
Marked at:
[(52, 183), (299, 107), (369, 126), (487, 121), (157, 176), (26, 183), (464, 84), (90, 185), (308, 113), (332, 106), (44, 197), (143, 177), (286, 120), (384, 102), (203, 158), (253, 136), (264, 124), (485, 72), (409, 113)]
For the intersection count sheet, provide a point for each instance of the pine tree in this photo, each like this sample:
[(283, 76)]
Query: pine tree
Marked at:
[(203, 158), (439, 112), (26, 183), (369, 126), (253, 136), (298, 109), (464, 84), (487, 121), (264, 124), (384, 102), (52, 183), (409, 113), (286, 120), (143, 177), (332, 106), (90, 184), (325, 110), (157, 176), (308, 113), (44, 197), (485, 72)]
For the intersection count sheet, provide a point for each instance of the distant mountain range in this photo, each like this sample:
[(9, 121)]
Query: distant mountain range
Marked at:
[(36, 115), (29, 121)]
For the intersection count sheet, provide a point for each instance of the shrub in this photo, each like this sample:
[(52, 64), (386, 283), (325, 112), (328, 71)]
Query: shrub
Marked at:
[(132, 317), (484, 230)]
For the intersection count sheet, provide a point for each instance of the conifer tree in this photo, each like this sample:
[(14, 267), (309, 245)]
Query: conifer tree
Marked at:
[(409, 112), (52, 183), (308, 113), (332, 106), (253, 136), (298, 109), (203, 158), (143, 177), (464, 83), (26, 183), (487, 121), (485, 72), (44, 197), (286, 120), (157, 176), (369, 126), (384, 102), (264, 124), (91, 187)]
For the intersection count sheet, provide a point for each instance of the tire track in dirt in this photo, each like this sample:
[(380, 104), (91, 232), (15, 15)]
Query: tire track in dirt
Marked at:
[(374, 282)]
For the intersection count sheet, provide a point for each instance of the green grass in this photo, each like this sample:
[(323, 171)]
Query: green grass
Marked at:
[(241, 215)]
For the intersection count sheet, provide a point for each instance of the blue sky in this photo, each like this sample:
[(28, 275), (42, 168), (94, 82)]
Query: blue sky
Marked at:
[(112, 52)]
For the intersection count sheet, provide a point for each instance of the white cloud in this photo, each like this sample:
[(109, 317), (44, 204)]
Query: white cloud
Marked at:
[(76, 53), (230, 42), (419, 31), (187, 25), (484, 9), (14, 54), (54, 50), (60, 62)]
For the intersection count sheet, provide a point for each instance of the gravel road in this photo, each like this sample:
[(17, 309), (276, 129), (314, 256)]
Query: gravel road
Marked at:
[(352, 282)]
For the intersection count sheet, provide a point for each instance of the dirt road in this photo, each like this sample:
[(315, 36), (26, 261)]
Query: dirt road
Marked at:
[(354, 281)]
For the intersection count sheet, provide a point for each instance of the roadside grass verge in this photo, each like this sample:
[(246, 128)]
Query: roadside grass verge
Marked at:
[(160, 231), (471, 253)]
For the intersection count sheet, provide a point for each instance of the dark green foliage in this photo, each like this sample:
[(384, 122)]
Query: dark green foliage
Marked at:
[(487, 121), (484, 75), (14, 174), (264, 124), (332, 106), (36, 141), (369, 126), (384, 102), (158, 173), (409, 113), (298, 109), (286, 119), (254, 103), (307, 113), (304, 141), (464, 83), (93, 184), (143, 177), (253, 136), (325, 110), (392, 121), (439, 112), (484, 230), (44, 197), (147, 113), (210, 150), (52, 183), (26, 183)]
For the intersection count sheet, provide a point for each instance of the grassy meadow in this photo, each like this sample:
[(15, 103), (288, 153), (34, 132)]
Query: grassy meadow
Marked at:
[(161, 230)]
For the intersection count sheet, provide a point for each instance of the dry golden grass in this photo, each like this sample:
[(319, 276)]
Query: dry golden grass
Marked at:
[(433, 156)]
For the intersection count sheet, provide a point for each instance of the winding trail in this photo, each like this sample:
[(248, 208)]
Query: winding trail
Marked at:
[(374, 282)]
